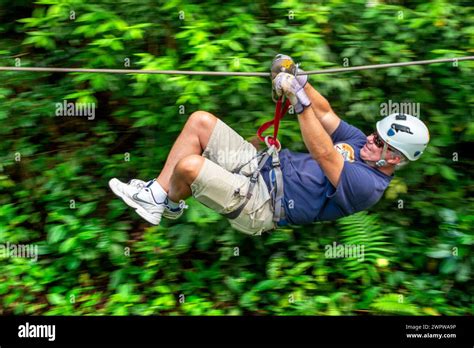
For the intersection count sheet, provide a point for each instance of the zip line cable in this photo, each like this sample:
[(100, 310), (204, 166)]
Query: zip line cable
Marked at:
[(227, 73), (233, 73)]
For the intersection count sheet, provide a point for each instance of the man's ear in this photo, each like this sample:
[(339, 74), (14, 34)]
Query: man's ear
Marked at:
[(394, 159)]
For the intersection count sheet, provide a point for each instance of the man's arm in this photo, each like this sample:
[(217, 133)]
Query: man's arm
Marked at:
[(322, 109), (319, 143), (315, 136)]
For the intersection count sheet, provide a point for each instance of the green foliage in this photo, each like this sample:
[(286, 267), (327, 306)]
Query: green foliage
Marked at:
[(394, 304), (363, 230), (97, 257)]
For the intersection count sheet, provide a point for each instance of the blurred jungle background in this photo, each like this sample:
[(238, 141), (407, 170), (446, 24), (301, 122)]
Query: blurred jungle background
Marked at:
[(97, 257)]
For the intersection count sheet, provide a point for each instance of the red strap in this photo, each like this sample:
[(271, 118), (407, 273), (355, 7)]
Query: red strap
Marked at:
[(280, 111)]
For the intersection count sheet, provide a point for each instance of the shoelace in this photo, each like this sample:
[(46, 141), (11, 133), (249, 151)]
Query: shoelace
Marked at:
[(182, 205), (139, 185)]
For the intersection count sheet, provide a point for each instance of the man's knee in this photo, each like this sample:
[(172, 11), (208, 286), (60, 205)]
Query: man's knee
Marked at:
[(202, 120), (189, 167)]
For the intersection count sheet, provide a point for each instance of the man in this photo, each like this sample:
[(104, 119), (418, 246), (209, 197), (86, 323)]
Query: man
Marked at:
[(343, 173)]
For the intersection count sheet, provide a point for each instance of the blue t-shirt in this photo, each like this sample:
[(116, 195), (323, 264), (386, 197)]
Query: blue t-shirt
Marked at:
[(310, 196)]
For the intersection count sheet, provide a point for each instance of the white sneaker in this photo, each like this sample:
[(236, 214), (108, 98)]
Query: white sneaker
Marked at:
[(169, 213), (140, 198)]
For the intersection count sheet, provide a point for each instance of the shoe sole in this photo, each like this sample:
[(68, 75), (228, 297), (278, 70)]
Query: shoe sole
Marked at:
[(138, 208), (172, 217)]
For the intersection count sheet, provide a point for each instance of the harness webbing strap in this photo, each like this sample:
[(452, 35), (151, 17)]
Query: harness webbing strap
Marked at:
[(253, 181), (277, 188), (280, 110)]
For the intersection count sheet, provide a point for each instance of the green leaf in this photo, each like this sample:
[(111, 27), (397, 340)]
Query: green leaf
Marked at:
[(86, 208), (439, 254), (56, 234), (448, 266), (268, 284), (447, 173), (56, 299), (67, 245)]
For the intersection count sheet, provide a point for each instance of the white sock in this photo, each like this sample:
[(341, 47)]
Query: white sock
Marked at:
[(171, 205), (159, 194)]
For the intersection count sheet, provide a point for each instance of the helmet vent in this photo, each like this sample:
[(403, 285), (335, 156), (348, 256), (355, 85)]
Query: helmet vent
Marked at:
[(401, 128), (401, 117)]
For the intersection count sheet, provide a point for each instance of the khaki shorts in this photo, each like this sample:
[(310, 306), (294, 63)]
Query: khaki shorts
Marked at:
[(223, 191)]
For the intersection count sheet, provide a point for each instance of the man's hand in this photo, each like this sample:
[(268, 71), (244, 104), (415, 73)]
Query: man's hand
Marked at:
[(287, 84), (284, 63)]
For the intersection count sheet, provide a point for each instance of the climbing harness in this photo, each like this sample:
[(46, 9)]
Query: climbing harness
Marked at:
[(276, 175)]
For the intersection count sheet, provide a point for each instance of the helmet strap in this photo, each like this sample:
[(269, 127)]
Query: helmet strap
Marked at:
[(382, 162)]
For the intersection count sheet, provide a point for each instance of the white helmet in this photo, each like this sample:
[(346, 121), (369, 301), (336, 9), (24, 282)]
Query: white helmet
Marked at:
[(406, 133)]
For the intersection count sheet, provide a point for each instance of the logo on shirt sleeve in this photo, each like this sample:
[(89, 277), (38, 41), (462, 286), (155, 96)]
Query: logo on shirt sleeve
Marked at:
[(346, 151)]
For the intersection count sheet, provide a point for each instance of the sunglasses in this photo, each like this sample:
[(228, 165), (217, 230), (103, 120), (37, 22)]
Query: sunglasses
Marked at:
[(378, 140), (380, 143)]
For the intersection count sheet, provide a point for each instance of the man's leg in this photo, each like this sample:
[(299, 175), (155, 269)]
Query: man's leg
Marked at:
[(204, 167), (151, 200), (184, 174), (213, 181), (192, 140)]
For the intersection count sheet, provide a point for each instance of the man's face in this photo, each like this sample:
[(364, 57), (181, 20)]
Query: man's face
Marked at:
[(372, 150)]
